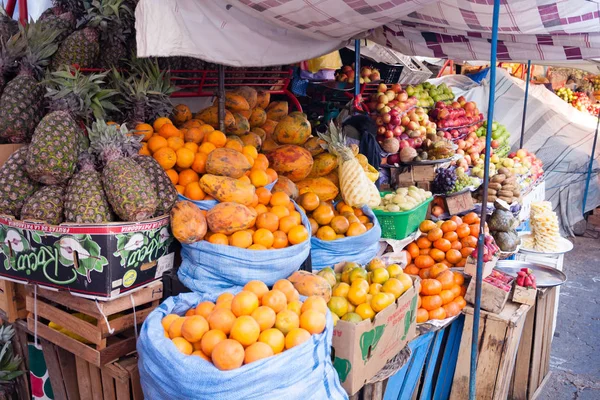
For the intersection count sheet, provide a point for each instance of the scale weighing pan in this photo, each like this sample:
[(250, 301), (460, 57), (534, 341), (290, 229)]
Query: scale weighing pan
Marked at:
[(545, 276)]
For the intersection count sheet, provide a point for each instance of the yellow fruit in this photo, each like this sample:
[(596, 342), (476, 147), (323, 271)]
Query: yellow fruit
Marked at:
[(183, 345), (394, 270), (159, 122), (340, 290), (168, 320), (365, 311), (357, 273), (185, 157), (295, 306), (393, 286), (357, 295), (381, 301), (287, 320), (361, 283), (406, 281), (338, 305), (375, 288), (380, 275)]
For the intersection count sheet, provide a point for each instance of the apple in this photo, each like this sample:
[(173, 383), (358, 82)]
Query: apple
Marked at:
[(386, 110), (381, 130), (397, 131), (395, 120), (394, 159), (382, 98), (521, 153), (379, 106), (382, 88), (396, 87), (388, 134), (375, 76), (391, 95), (412, 125), (404, 143), (386, 118), (404, 136), (405, 120), (495, 144)]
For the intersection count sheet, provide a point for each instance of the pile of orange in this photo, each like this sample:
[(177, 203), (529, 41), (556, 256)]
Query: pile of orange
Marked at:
[(448, 242), (182, 153), (441, 295), (331, 223), (277, 225), (252, 325)]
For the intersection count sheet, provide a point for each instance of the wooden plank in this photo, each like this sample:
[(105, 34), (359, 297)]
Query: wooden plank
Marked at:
[(507, 364), (490, 354), (125, 322), (460, 383), (378, 391), (536, 350), (118, 349), (520, 380), (11, 306), (96, 381), (69, 372), (75, 303), (547, 334), (56, 379), (539, 390), (152, 292), (64, 319), (108, 386), (83, 377)]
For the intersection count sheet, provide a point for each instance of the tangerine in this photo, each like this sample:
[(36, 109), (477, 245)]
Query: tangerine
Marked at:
[(274, 338), (437, 269), (323, 214), (453, 256), (446, 278), (463, 231), (447, 296), (168, 320), (205, 308), (245, 330), (413, 250), (297, 234), (430, 287), (424, 262), (356, 229), (264, 195), (210, 340), (449, 226), (340, 224), (185, 157), (442, 244), (451, 236), (287, 320), (296, 337), (286, 287), (280, 240), (175, 327), (159, 122), (217, 138), (286, 223), (275, 299), (257, 287), (309, 201), (218, 238), (183, 345), (423, 243), (199, 164), (326, 233), (411, 269), (295, 306), (438, 313), (452, 309), (280, 211), (224, 297), (427, 226), (459, 278), (263, 237), (241, 239), (365, 311), (437, 254), (316, 303), (435, 234), (166, 157), (188, 176), (221, 319), (422, 315), (244, 303), (193, 191), (431, 302), (268, 220), (265, 316), (257, 351), (393, 286), (313, 321), (279, 199), (381, 301), (228, 354)]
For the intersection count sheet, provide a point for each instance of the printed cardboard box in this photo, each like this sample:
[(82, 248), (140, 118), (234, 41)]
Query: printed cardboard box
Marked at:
[(362, 350), (101, 261)]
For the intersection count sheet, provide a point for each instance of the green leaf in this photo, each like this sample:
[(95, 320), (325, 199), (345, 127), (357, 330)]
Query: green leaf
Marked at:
[(36, 237)]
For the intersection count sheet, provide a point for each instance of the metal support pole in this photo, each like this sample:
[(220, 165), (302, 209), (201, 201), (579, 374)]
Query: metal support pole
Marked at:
[(221, 96), (590, 167), (356, 101), (525, 104), (486, 176)]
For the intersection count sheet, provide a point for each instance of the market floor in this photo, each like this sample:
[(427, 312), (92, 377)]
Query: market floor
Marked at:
[(575, 357)]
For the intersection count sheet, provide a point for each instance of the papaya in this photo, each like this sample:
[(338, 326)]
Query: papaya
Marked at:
[(277, 110), (235, 138), (260, 132), (258, 117), (251, 139), (187, 222), (224, 188), (269, 145), (308, 284), (286, 186), (292, 129), (323, 164), (322, 187), (269, 127), (313, 144), (240, 126), (227, 162), (234, 102), (249, 94), (293, 162), (210, 116), (246, 114), (263, 98), (333, 177), (230, 217)]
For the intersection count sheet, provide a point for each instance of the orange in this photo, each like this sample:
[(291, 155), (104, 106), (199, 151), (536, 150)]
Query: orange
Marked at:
[(453, 256), (442, 244), (424, 252), (194, 135), (206, 148), (297, 234), (144, 129), (456, 290), (175, 327), (437, 254), (323, 214), (221, 319), (265, 316), (326, 233), (280, 211), (173, 176), (446, 278), (199, 353), (422, 315), (194, 328), (245, 179), (268, 221), (244, 303), (451, 309), (168, 131), (241, 239), (257, 287), (223, 297), (447, 296), (218, 238), (424, 273), (394, 270), (226, 305), (280, 240), (144, 150), (296, 337), (437, 269), (183, 345), (375, 288), (431, 302), (166, 157), (424, 262), (456, 219), (250, 151), (365, 311), (188, 176), (345, 209), (295, 306), (234, 144), (380, 301), (261, 162), (263, 237), (193, 191), (260, 209), (217, 138), (313, 321), (438, 313), (275, 299), (451, 236), (274, 338), (314, 227), (459, 279), (287, 320), (471, 218), (316, 303), (180, 189), (423, 243), (449, 226), (411, 269), (264, 195), (463, 230), (340, 289), (337, 305), (430, 287), (426, 226), (210, 340), (288, 222), (199, 164), (181, 113), (228, 354), (356, 229), (279, 199), (405, 280), (257, 247), (175, 143), (168, 320), (340, 224), (185, 157), (159, 122), (357, 295), (434, 234), (245, 330), (286, 287), (474, 230), (460, 301), (469, 241), (413, 250), (309, 201), (257, 351), (393, 286), (272, 175), (456, 244), (205, 308)]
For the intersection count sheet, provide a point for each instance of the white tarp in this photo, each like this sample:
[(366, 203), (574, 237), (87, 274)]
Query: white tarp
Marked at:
[(557, 133)]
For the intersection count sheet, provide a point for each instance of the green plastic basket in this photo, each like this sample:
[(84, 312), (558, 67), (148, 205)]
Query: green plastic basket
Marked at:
[(398, 225)]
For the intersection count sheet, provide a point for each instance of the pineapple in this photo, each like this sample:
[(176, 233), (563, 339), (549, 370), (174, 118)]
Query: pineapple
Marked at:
[(15, 184), (128, 188), (81, 48), (167, 194), (58, 20), (46, 205), (8, 26), (85, 200), (114, 21), (22, 101), (11, 51)]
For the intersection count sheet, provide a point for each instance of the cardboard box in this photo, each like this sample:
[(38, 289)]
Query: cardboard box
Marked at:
[(524, 295), (101, 261), (493, 298), (471, 267), (424, 173), (459, 203), (6, 150), (362, 350)]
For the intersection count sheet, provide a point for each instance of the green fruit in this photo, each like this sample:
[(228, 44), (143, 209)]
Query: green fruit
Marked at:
[(352, 317), (15, 184)]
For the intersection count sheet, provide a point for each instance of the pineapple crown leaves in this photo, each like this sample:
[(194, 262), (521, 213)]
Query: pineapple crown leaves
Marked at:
[(336, 142), (40, 46), (108, 142), (11, 51), (113, 19), (9, 363), (85, 96)]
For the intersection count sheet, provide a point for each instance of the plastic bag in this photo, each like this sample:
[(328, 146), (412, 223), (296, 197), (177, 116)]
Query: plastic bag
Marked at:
[(327, 61), (360, 249), (208, 204), (303, 372), (214, 268)]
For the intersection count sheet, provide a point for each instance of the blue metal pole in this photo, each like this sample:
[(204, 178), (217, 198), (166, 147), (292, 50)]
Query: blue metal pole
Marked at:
[(480, 242), (356, 68), (525, 103), (590, 167)]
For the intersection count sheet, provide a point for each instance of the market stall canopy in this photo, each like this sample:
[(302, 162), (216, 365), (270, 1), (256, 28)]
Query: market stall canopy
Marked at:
[(274, 32)]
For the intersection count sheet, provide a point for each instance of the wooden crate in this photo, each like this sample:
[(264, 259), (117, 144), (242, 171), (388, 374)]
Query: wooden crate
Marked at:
[(12, 300), (106, 346), (73, 378), (532, 367), (499, 336)]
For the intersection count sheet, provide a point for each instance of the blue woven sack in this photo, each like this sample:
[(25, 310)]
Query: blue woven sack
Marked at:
[(303, 372), (360, 249), (216, 268)]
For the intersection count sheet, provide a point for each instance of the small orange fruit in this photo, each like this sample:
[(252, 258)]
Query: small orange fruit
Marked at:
[(241, 239), (188, 176), (185, 157), (422, 315), (218, 238), (199, 164), (221, 319), (250, 151), (234, 144), (326, 233), (175, 327), (449, 226), (245, 330), (168, 131), (316, 303), (265, 316), (297, 234), (210, 340), (340, 224), (280, 211), (228, 354), (264, 195), (173, 176), (159, 122), (274, 338), (313, 321), (257, 351), (286, 321), (296, 337), (194, 328), (286, 287), (268, 221), (206, 148), (280, 240), (323, 214), (263, 237), (166, 157), (168, 320), (426, 226), (193, 191), (183, 345), (286, 223), (194, 135), (309, 201), (144, 129), (261, 162), (275, 299), (438, 313), (217, 138), (205, 308), (257, 287), (175, 143), (279, 199), (244, 303), (356, 229), (199, 353)]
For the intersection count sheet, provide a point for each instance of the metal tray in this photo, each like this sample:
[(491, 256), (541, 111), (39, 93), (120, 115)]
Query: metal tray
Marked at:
[(545, 276), (564, 246)]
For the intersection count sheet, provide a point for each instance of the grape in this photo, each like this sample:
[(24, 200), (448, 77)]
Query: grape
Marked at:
[(445, 180)]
